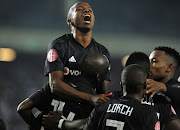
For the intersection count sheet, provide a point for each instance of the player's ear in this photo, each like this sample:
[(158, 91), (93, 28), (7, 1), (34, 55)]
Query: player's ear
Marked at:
[(98, 77), (169, 68)]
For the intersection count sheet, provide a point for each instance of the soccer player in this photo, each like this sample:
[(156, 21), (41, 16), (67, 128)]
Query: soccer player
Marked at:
[(126, 112), (65, 53), (94, 67), (159, 102), (164, 63)]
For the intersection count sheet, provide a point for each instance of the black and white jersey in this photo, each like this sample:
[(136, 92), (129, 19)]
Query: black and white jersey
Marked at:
[(124, 113), (65, 54), (46, 101), (162, 107), (173, 92)]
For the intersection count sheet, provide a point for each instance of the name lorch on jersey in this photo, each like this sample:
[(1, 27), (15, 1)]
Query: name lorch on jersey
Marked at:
[(120, 108), (68, 71)]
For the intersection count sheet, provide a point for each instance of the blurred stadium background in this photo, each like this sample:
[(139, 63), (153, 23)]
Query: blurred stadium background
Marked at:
[(27, 27)]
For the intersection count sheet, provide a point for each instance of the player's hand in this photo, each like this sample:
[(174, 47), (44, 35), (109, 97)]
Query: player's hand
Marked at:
[(155, 87), (51, 120), (96, 99)]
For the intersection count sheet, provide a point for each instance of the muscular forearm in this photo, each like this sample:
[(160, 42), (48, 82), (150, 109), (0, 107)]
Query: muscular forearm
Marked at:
[(27, 116), (24, 110), (62, 89)]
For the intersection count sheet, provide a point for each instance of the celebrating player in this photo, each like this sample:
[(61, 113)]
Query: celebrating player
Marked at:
[(65, 53), (164, 63), (94, 68), (126, 112)]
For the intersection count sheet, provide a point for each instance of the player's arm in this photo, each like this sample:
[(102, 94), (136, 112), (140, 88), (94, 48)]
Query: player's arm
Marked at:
[(53, 121), (173, 125), (173, 92), (59, 87), (24, 110), (155, 87), (91, 122), (169, 90)]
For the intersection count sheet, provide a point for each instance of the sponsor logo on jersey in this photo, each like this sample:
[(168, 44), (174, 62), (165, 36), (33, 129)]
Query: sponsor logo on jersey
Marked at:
[(68, 71), (72, 59), (52, 55), (157, 126)]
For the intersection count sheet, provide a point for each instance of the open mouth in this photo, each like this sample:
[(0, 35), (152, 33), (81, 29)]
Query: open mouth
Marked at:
[(87, 18)]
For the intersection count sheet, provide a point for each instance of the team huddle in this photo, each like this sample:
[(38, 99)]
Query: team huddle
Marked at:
[(77, 97)]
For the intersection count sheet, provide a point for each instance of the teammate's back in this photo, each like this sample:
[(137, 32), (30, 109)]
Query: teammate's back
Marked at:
[(126, 112)]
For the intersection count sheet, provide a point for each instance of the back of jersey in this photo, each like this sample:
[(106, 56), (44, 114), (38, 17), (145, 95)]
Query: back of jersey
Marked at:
[(124, 113)]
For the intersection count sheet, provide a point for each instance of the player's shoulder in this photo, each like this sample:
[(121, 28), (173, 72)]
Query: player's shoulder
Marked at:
[(173, 82), (102, 106), (161, 98), (100, 46), (61, 41)]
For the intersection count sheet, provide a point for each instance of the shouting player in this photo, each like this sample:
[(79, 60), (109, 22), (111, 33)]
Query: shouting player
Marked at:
[(65, 53)]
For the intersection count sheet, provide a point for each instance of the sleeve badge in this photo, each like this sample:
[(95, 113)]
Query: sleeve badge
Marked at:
[(52, 55)]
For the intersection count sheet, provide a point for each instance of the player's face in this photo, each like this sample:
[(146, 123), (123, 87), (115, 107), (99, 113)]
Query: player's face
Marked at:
[(82, 16), (158, 65)]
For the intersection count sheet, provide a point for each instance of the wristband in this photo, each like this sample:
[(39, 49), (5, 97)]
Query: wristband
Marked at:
[(60, 124)]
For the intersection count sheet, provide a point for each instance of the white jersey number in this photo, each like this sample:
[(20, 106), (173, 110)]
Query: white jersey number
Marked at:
[(114, 123), (58, 106)]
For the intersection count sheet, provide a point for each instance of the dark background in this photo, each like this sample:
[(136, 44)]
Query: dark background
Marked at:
[(123, 26)]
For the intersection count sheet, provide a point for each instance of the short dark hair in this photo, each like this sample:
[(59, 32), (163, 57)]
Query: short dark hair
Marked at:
[(133, 77), (172, 53), (139, 58)]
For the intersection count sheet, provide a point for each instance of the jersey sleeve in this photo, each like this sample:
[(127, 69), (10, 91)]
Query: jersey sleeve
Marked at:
[(55, 57), (40, 98)]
